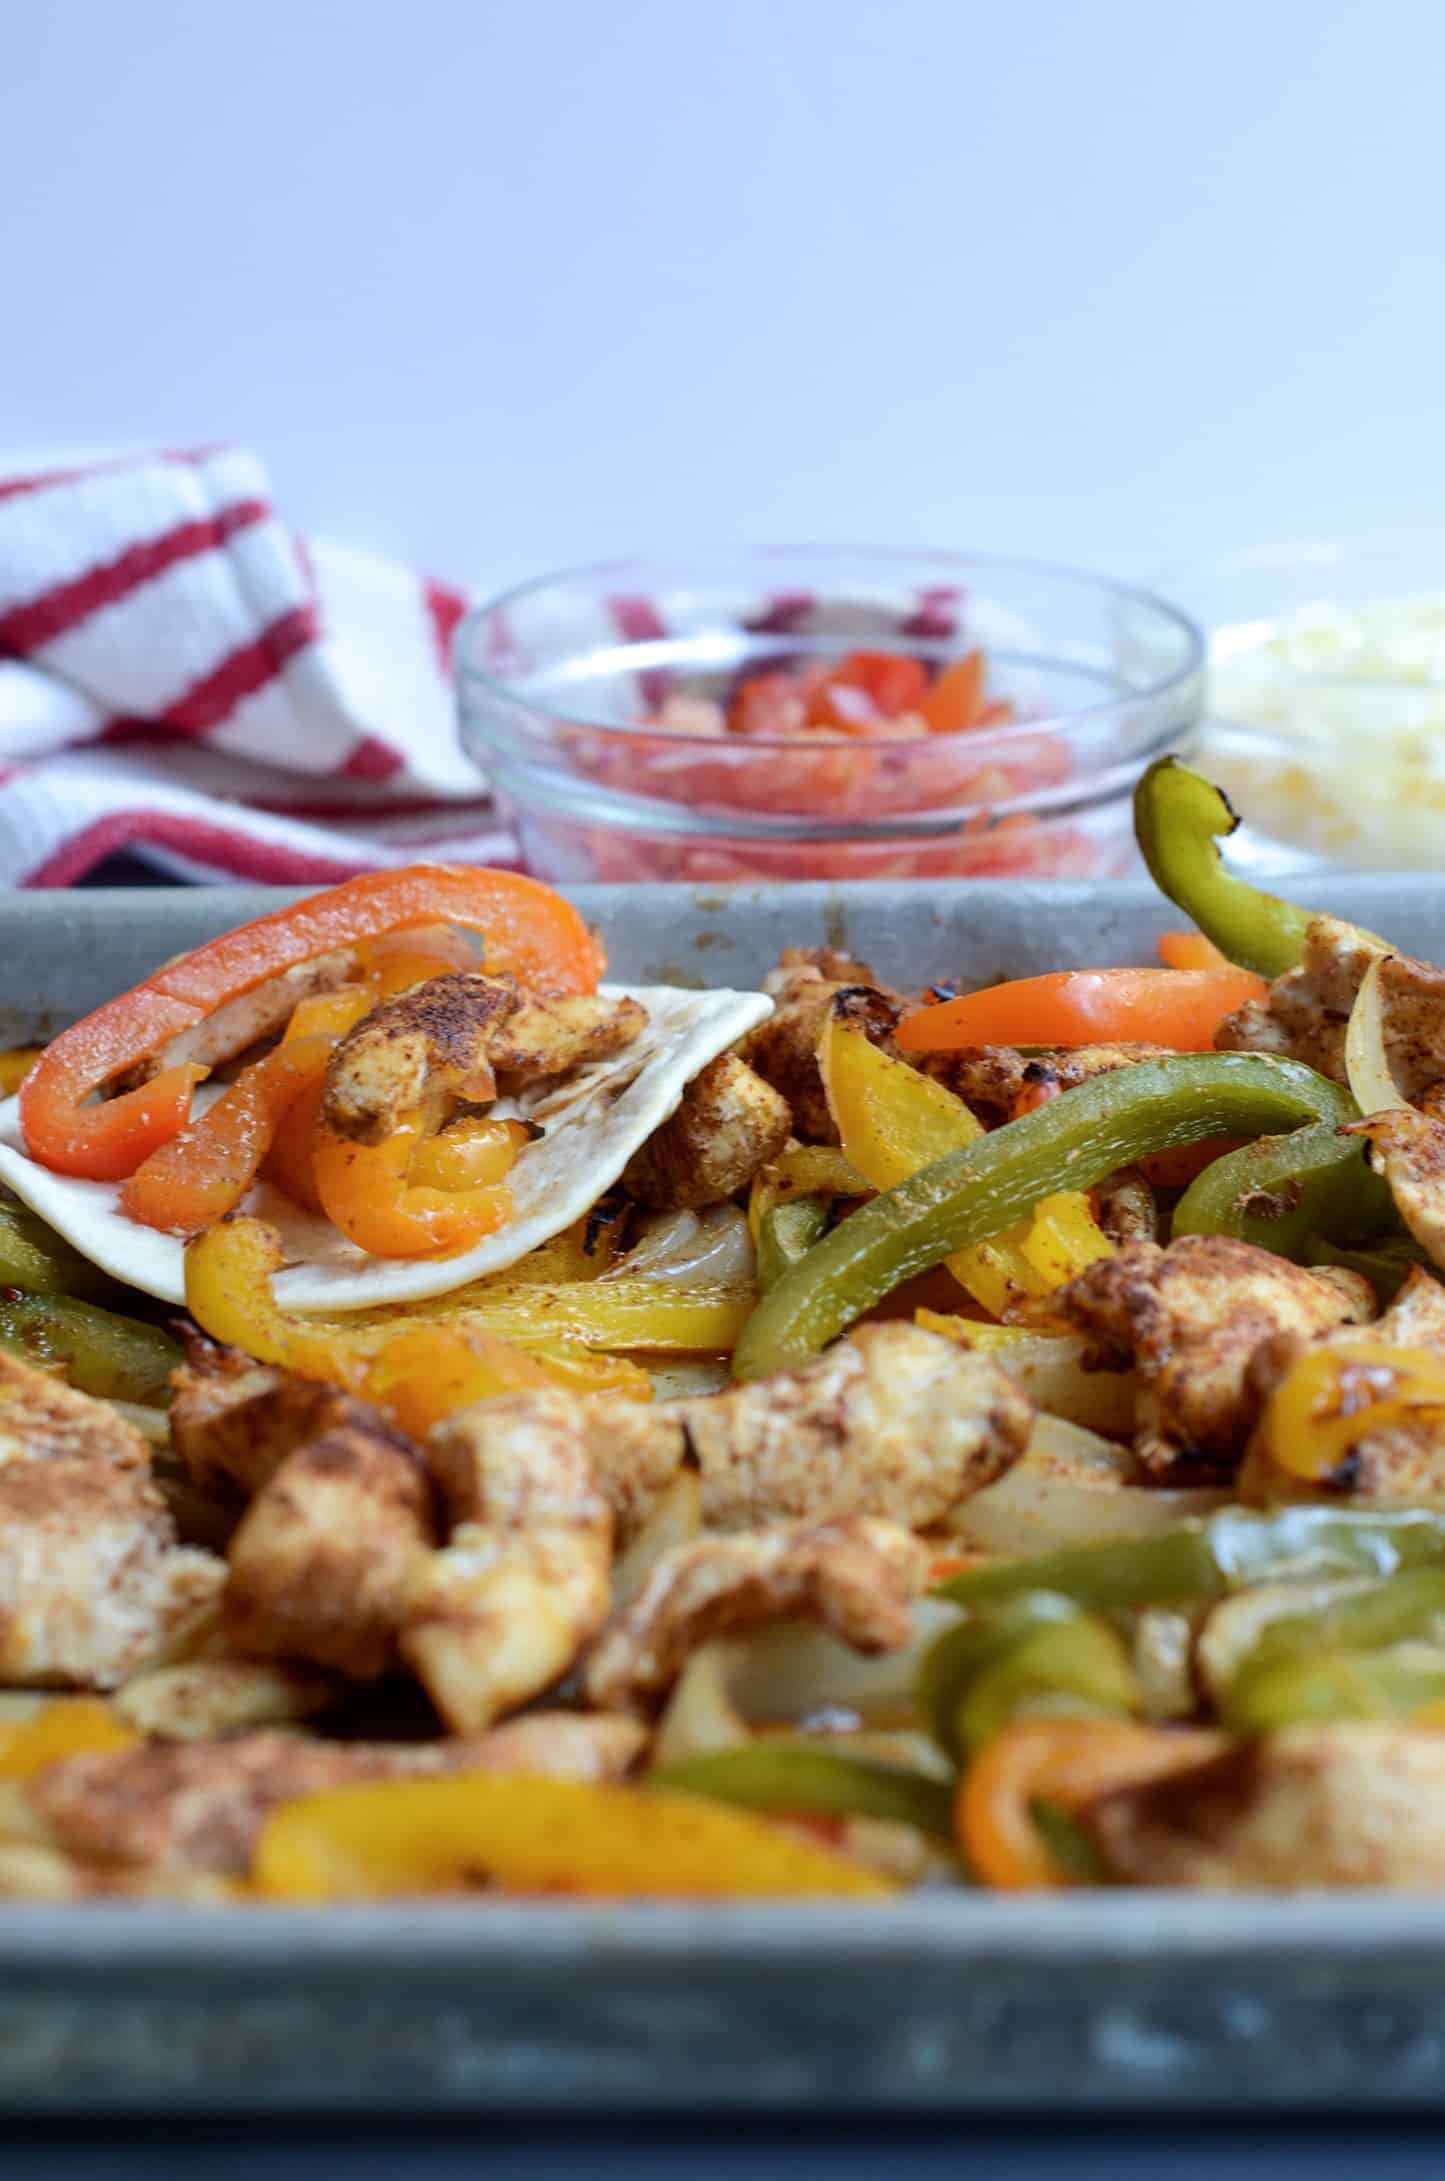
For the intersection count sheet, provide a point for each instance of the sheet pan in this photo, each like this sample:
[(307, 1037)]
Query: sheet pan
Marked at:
[(1080, 2002)]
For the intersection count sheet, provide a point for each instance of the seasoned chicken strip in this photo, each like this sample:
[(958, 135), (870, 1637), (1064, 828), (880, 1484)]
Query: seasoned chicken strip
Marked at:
[(991, 1079), (1408, 1148), (892, 1421), (1305, 1013), (1361, 1804), (93, 1585), (209, 1697), (44, 1420), (447, 1040), (855, 1576), (730, 1123), (1190, 1318), (504, 1608), (235, 1421), (784, 1049), (198, 1806), (319, 1566), (1400, 1464), (552, 1033)]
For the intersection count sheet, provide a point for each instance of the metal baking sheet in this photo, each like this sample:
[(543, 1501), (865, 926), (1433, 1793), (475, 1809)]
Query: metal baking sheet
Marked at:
[(1074, 2003)]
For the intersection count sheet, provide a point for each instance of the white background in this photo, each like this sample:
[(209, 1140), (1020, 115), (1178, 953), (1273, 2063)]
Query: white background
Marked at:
[(494, 286)]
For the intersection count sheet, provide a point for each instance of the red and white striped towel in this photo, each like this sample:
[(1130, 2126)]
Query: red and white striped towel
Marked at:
[(183, 677)]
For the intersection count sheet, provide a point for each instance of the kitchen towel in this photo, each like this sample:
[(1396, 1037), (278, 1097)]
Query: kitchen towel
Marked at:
[(185, 678)]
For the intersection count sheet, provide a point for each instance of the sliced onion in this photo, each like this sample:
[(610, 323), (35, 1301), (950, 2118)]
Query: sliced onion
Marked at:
[(692, 1248), (1367, 1060), (1050, 1369), (682, 1378), (791, 1672), (675, 1520), (701, 1715), (1070, 1487)]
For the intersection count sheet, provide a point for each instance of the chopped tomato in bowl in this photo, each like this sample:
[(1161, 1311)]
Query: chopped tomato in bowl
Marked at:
[(824, 714)]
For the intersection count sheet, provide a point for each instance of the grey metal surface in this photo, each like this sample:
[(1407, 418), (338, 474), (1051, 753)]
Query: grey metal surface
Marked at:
[(1076, 2003), (62, 953)]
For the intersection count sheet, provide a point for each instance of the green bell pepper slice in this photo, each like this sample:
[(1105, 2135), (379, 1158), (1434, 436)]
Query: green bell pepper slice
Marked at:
[(985, 1186), (114, 1358), (1332, 1685), (779, 1775), (34, 1257), (787, 1233), (1210, 1558), (1179, 820), (1288, 1193), (1036, 1653)]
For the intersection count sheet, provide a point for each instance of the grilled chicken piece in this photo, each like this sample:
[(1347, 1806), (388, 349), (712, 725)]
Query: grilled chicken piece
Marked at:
[(1399, 1465), (234, 1421), (501, 1612), (893, 1422), (1408, 1148), (1190, 1318), (44, 1420), (319, 1566), (784, 1049), (1305, 1013), (993, 1078), (207, 1698), (1361, 1804), (855, 1576), (252, 1016), (554, 1032), (93, 1584), (448, 1039), (198, 1806), (730, 1123)]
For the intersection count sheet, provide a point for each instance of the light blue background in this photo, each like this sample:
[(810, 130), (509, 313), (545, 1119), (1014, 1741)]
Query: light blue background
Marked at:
[(497, 285)]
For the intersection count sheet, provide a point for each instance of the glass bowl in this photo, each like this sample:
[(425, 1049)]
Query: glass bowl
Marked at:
[(559, 684), (1325, 719)]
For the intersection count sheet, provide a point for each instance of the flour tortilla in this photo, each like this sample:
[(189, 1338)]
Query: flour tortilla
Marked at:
[(594, 1119)]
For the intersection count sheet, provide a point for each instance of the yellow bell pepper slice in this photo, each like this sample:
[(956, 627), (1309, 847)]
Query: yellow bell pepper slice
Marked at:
[(15, 1065), (418, 1368), (536, 1835), (1344, 1390), (73, 1726), (894, 1120), (626, 1310), (424, 1363)]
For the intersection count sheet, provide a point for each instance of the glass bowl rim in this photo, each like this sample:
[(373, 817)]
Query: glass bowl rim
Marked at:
[(1194, 663)]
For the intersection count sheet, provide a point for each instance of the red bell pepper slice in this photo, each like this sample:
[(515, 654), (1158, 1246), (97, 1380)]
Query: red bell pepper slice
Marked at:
[(528, 930)]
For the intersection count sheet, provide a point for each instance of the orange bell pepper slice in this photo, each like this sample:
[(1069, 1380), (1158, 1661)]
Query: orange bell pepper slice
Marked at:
[(204, 1172), (534, 1835), (528, 930), (71, 1726), (366, 1191), (470, 1154), (1064, 1761), (1190, 950), (1179, 1008)]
